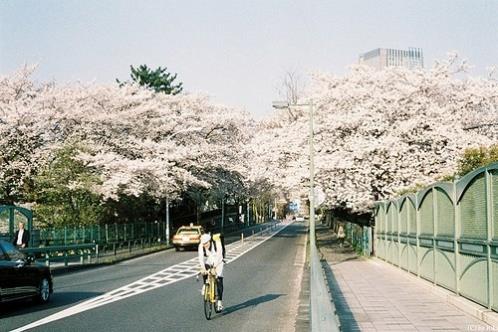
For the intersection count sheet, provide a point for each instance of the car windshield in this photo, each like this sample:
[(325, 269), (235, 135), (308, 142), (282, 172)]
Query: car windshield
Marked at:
[(188, 231), (11, 251)]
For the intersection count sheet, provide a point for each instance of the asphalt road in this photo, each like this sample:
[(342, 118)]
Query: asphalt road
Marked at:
[(261, 294)]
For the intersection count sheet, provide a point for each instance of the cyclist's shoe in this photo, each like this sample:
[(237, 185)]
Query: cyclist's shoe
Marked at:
[(219, 306), (203, 290)]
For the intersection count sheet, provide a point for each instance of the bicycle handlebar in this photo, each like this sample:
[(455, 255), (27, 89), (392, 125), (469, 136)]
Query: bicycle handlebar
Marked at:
[(211, 270)]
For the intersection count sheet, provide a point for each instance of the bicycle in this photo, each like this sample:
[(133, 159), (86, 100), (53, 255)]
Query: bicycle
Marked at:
[(210, 293)]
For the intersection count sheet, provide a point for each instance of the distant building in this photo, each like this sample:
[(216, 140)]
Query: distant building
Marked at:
[(387, 57)]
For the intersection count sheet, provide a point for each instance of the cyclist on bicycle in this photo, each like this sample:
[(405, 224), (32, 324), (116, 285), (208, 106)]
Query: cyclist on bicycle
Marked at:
[(210, 254)]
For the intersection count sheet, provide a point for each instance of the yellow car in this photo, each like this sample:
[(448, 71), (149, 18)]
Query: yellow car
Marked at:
[(187, 236)]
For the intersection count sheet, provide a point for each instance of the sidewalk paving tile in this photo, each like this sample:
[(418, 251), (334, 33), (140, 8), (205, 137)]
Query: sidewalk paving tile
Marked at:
[(370, 295)]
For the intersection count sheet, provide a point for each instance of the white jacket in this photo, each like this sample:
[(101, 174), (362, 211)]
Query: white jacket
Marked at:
[(213, 257)]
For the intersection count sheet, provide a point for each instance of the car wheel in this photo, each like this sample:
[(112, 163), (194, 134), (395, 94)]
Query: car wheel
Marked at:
[(177, 249), (43, 291)]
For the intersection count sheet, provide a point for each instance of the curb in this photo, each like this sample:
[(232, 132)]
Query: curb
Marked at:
[(302, 320)]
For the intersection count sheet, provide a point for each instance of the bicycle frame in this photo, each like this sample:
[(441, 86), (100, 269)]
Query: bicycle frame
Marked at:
[(211, 281), (210, 295)]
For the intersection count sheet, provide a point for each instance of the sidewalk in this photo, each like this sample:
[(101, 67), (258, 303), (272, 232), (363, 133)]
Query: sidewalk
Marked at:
[(371, 295)]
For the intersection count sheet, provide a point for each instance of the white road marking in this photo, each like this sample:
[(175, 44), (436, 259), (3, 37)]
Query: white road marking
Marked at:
[(171, 274)]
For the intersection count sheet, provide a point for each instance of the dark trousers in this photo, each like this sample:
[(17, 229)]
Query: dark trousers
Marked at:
[(219, 284)]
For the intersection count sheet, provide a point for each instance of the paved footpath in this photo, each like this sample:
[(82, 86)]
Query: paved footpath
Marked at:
[(371, 295)]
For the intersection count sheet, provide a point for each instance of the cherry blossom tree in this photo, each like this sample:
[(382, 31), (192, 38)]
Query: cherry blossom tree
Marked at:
[(377, 132), (137, 141)]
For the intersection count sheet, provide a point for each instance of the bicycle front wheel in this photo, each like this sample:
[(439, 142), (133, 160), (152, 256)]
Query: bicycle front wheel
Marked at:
[(208, 305)]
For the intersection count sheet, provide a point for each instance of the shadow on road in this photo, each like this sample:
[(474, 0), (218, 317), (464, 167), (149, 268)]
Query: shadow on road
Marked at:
[(293, 231), (60, 299), (251, 303), (294, 234)]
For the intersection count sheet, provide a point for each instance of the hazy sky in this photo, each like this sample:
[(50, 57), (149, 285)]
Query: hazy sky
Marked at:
[(235, 51)]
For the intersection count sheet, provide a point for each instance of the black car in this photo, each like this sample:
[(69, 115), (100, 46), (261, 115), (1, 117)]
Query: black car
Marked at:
[(21, 277)]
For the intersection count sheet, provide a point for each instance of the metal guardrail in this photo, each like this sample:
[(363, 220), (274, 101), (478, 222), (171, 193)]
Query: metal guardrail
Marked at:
[(64, 253), (93, 251), (323, 313)]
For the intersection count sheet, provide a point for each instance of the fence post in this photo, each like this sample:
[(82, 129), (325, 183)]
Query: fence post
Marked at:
[(364, 242), (489, 219), (370, 230), (397, 217), (434, 231), (456, 237), (106, 233), (417, 218), (248, 215)]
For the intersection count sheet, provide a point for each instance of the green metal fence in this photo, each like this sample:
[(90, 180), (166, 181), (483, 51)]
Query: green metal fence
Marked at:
[(10, 216), (446, 233), (359, 237), (101, 234), (112, 233)]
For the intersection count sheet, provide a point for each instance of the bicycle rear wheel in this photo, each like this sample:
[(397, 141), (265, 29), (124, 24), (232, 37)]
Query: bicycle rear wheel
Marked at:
[(208, 305)]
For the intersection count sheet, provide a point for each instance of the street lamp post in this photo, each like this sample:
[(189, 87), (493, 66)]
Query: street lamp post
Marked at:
[(322, 312), (312, 182), (222, 212), (285, 105), (167, 220), (167, 175)]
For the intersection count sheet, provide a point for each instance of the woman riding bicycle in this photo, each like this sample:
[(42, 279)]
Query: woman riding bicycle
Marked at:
[(210, 254)]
